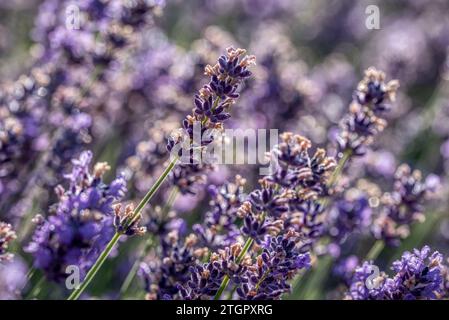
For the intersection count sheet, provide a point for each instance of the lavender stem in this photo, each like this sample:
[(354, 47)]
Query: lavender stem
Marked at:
[(375, 250), (148, 244), (226, 279)]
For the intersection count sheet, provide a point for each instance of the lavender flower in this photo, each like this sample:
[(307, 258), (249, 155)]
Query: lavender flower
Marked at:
[(7, 235), (279, 261), (288, 197), (212, 105), (267, 221), (349, 216), (365, 120), (80, 224), (205, 279), (401, 207), (418, 275), (219, 227), (162, 275)]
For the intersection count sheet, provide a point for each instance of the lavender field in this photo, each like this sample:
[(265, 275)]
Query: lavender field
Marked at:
[(224, 150)]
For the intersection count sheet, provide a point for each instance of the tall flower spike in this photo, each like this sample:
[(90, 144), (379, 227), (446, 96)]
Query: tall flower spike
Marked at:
[(212, 106), (365, 118), (7, 235)]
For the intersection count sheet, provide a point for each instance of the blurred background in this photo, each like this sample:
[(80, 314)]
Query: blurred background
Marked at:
[(310, 56)]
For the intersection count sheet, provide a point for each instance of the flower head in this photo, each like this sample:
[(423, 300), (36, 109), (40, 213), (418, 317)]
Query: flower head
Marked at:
[(364, 120), (418, 275), (7, 235), (169, 266), (212, 106), (280, 260), (402, 206)]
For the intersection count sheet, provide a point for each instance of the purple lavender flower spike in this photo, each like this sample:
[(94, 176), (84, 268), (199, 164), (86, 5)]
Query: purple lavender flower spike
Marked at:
[(279, 261), (403, 206), (364, 120), (418, 275), (211, 109), (271, 224)]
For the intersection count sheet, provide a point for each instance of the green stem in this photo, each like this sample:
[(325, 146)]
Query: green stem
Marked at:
[(102, 258), (148, 244), (36, 289), (313, 288), (225, 282), (170, 201), (375, 250), (340, 166), (133, 271), (153, 190), (93, 271)]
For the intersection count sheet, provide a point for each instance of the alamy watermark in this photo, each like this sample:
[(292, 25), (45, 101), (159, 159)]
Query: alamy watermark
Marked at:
[(372, 282), (230, 146), (73, 280), (72, 17), (372, 21)]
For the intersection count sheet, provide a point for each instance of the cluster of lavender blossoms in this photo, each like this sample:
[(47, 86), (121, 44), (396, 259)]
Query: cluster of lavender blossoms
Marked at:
[(403, 206), (219, 224), (212, 106), (80, 224), (417, 275), (7, 234), (278, 225), (365, 118)]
